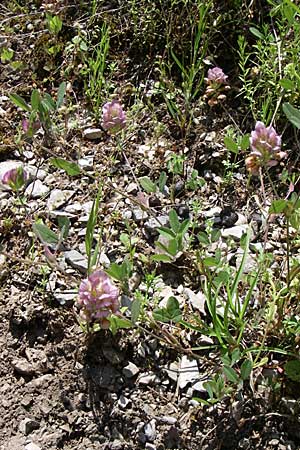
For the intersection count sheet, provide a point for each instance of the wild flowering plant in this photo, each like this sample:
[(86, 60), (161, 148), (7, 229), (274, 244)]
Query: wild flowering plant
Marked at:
[(216, 81), (113, 117), (98, 299), (265, 146), (15, 178)]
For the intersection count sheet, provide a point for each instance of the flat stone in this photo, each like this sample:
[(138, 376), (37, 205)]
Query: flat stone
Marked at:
[(149, 378), (36, 189), (27, 425), (139, 214), (188, 371), (149, 446), (65, 297), (77, 260), (150, 430), (130, 370), (92, 133), (235, 232), (197, 300), (86, 163), (23, 367), (58, 198), (32, 446)]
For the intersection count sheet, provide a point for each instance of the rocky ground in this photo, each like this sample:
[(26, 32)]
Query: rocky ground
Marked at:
[(64, 390)]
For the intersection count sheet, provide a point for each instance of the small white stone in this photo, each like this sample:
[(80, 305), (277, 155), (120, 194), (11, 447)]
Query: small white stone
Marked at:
[(93, 133)]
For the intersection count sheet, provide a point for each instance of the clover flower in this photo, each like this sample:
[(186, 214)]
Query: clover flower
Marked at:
[(15, 178), (113, 117), (265, 146), (30, 127), (216, 81), (98, 298)]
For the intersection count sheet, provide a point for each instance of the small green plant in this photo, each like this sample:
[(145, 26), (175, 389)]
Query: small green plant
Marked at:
[(41, 109), (96, 79), (174, 238)]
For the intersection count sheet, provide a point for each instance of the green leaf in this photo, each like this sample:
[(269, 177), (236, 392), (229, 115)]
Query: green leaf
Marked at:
[(166, 232), (174, 221), (203, 238), (288, 85), (20, 102), (256, 33), (161, 258), (64, 225), (147, 184), (48, 103), (278, 206), (231, 145), (292, 369), (292, 114), (246, 369), (61, 94), (117, 322), (162, 181), (231, 374), (173, 247), (210, 261), (135, 310), (245, 142), (184, 227), (171, 313), (70, 168), (35, 100), (45, 235)]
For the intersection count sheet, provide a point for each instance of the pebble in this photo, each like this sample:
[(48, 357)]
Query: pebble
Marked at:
[(235, 232), (123, 402), (130, 370), (58, 198), (149, 446), (86, 163), (188, 371), (27, 425), (65, 297), (149, 378), (23, 367), (92, 133), (197, 300), (139, 214), (150, 430), (77, 260), (36, 189), (32, 446)]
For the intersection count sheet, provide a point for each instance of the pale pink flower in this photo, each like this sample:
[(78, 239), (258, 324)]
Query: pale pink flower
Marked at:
[(15, 178), (265, 146), (113, 117), (98, 298)]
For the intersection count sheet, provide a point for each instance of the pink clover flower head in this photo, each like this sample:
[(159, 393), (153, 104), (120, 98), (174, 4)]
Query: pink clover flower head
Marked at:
[(216, 81), (265, 146), (216, 75), (113, 117), (28, 126), (15, 178), (98, 298)]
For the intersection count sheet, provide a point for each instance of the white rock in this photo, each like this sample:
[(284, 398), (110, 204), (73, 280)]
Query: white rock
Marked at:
[(130, 370), (188, 371), (58, 198), (235, 232), (86, 163), (77, 260), (93, 133), (197, 300), (36, 189), (27, 425), (32, 446)]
